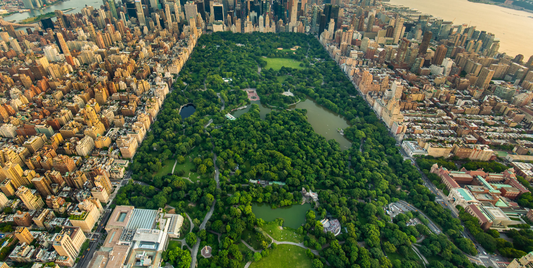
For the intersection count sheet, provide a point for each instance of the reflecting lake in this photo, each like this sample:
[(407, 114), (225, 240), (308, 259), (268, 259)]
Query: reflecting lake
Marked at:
[(293, 216), (323, 121), (187, 111)]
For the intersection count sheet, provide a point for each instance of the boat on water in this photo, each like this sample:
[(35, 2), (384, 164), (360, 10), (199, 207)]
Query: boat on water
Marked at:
[(341, 131)]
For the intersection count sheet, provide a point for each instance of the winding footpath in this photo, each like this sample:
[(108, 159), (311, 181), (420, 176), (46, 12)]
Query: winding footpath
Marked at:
[(223, 102), (194, 251)]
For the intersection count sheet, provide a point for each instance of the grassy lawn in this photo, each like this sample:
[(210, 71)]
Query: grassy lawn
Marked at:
[(244, 250), (277, 63), (167, 167), (282, 78), (282, 234), (172, 244), (188, 166), (250, 238), (284, 256)]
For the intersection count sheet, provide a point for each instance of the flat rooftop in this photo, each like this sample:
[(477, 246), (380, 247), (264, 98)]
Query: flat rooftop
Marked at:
[(120, 217), (142, 218), (465, 194)]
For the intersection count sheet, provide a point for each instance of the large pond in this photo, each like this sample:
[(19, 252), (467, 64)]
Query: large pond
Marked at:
[(187, 111), (324, 121), (293, 216)]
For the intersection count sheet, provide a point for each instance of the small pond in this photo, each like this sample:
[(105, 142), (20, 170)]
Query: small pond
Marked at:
[(187, 111)]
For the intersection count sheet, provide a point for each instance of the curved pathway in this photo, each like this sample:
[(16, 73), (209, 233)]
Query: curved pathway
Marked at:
[(301, 244), (250, 247), (192, 224), (194, 251), (174, 166), (223, 102), (218, 235)]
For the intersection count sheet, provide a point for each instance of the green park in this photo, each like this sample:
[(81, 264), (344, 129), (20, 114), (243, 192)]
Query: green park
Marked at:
[(219, 172)]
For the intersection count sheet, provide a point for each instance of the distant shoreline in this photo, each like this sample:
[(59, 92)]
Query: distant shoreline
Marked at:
[(513, 7)]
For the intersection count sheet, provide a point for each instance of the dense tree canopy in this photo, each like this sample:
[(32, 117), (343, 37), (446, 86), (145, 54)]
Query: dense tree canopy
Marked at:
[(352, 185)]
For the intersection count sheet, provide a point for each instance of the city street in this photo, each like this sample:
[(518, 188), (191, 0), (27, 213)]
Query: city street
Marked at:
[(483, 258), (97, 237)]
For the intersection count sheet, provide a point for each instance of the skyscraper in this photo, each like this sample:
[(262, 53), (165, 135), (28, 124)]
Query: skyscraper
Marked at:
[(322, 25), (24, 235), (440, 54), (190, 11), (140, 12), (113, 8), (314, 19), (177, 11), (218, 11), (15, 173), (370, 24), (425, 43), (32, 200), (69, 241), (42, 184), (294, 12), (484, 78), (398, 29), (167, 14), (62, 44)]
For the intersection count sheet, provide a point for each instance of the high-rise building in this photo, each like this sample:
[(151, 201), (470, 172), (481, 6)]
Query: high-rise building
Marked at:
[(103, 181), (87, 215), (62, 44), (398, 29), (30, 198), (167, 14), (370, 24), (422, 50), (525, 261), (294, 12), (314, 19), (177, 11), (140, 12), (24, 235), (3, 200), (15, 173), (69, 241), (43, 185), (218, 11), (113, 8), (440, 54), (190, 11), (484, 78)]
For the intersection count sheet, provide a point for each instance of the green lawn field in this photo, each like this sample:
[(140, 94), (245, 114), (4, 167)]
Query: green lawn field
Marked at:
[(277, 63), (284, 256), (285, 234)]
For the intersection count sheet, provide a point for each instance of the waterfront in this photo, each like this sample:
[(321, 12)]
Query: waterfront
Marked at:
[(514, 28), (323, 121), (75, 4), (293, 216)]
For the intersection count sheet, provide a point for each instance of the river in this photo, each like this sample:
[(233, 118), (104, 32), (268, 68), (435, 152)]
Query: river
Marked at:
[(323, 121), (76, 4), (293, 216), (512, 27)]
